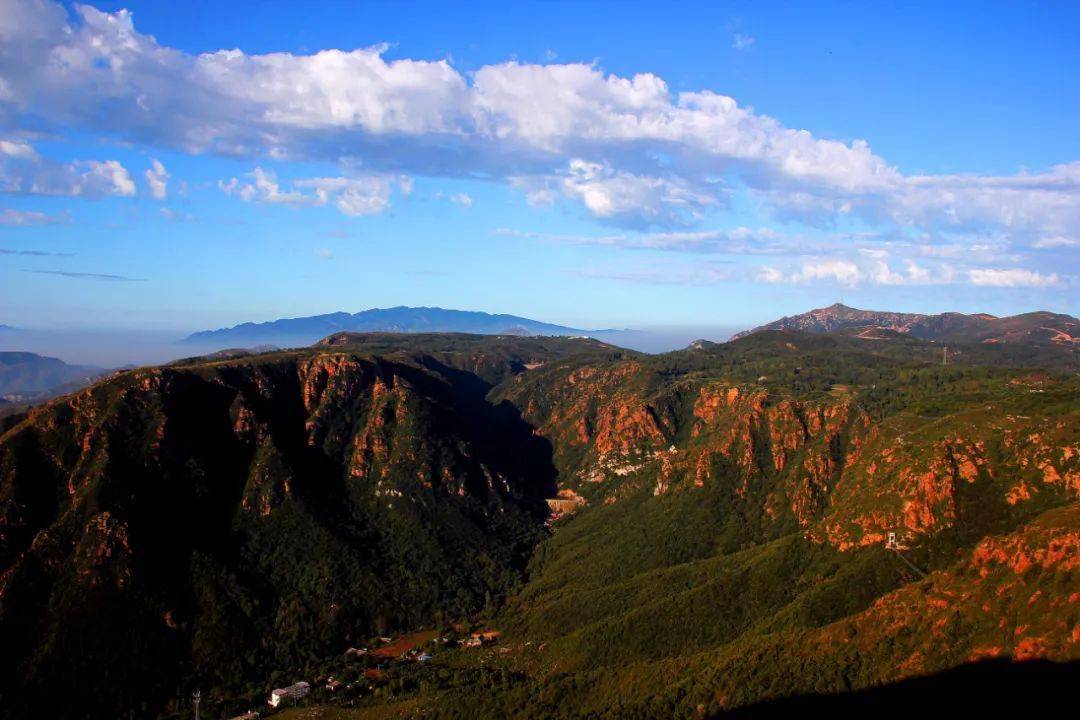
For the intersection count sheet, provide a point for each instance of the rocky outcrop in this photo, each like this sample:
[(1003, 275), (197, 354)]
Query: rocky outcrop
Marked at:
[(957, 471), (1003, 599)]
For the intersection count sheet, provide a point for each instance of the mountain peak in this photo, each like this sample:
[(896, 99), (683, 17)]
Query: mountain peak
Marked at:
[(1039, 327)]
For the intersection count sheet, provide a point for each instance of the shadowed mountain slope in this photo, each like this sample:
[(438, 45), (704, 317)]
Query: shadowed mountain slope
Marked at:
[(218, 521)]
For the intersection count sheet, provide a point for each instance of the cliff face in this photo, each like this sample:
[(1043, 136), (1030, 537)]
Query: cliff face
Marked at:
[(844, 478), (973, 471), (235, 518)]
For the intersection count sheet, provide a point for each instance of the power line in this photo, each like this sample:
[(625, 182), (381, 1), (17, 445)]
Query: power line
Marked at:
[(909, 563)]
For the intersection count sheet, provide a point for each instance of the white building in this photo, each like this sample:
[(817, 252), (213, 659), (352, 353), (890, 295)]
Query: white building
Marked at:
[(293, 692)]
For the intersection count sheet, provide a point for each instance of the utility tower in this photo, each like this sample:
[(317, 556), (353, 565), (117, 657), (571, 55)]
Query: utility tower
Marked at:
[(945, 355)]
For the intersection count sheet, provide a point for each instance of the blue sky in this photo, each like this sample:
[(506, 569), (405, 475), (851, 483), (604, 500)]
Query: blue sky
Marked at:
[(583, 163)]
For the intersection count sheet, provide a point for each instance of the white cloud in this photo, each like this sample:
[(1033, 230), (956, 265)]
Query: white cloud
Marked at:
[(1013, 277), (629, 149), (664, 275), (1056, 241), (353, 196), (175, 215), (24, 171), (29, 218), (263, 187), (769, 274), (365, 195), (157, 178), (461, 199), (18, 149), (742, 42), (851, 273), (620, 197), (831, 258), (878, 272), (844, 272), (107, 177), (738, 241)]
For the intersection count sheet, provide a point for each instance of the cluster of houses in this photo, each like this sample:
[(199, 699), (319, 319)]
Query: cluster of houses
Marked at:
[(297, 691), (476, 639), (480, 638)]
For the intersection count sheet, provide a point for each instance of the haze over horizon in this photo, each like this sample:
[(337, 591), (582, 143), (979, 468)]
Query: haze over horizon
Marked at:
[(198, 167)]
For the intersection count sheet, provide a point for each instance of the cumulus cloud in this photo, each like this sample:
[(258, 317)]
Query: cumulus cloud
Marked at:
[(352, 195), (619, 197), (1013, 277), (632, 199), (630, 150), (366, 195), (157, 178), (844, 272), (871, 270), (25, 172), (262, 185), (852, 273)]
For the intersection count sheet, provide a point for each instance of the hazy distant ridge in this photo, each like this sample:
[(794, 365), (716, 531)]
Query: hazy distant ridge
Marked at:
[(306, 330), (25, 373)]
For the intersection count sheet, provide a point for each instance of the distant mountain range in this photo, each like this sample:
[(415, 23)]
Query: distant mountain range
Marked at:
[(307, 330), (1043, 328), (1036, 327), (25, 375)]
